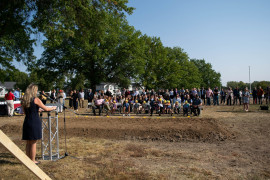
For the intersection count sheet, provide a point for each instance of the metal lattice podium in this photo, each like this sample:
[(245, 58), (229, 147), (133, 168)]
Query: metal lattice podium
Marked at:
[(50, 138)]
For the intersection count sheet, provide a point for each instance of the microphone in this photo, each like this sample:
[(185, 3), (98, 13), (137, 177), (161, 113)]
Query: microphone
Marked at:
[(44, 94)]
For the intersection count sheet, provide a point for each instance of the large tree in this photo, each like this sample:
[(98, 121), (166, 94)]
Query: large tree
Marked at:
[(89, 39), (15, 34)]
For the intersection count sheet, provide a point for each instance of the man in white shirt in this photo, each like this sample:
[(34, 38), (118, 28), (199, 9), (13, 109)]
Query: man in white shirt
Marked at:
[(81, 99)]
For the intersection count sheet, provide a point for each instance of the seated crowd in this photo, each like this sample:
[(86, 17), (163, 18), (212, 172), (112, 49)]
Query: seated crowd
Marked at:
[(167, 101), (145, 102)]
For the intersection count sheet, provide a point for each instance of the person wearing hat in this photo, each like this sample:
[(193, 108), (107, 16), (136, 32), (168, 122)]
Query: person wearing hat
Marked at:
[(160, 106), (107, 107), (126, 109), (186, 108), (177, 107), (146, 107), (136, 106), (169, 107)]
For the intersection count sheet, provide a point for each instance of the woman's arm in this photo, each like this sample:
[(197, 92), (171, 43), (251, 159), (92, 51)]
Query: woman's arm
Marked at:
[(38, 102)]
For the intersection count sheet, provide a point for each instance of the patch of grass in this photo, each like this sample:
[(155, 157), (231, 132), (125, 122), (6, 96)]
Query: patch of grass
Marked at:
[(136, 150)]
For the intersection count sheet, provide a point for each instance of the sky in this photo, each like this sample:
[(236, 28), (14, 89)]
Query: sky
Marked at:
[(229, 34)]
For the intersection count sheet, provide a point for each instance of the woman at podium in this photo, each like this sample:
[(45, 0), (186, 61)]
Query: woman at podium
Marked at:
[(32, 127)]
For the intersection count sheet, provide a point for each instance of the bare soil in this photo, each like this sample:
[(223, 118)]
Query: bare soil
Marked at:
[(223, 143)]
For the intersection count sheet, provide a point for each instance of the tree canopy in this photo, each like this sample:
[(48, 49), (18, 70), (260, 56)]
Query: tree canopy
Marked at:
[(90, 41)]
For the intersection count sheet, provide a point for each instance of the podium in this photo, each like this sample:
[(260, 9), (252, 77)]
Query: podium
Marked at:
[(50, 138)]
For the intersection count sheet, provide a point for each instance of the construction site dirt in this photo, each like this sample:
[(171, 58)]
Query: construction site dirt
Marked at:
[(223, 143)]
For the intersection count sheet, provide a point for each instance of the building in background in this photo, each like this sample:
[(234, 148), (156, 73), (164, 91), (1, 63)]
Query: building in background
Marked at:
[(4, 87)]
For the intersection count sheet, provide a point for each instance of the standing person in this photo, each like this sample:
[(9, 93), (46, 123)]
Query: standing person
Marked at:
[(222, 96), (43, 98), (118, 93), (60, 97), (152, 104), (53, 96), (123, 92), (175, 93), (71, 99), (240, 97), (259, 94), (203, 95), (209, 94), (182, 93), (215, 97), (136, 92), (246, 99), (127, 93), (235, 95), (194, 92), (75, 98), (229, 96), (108, 93), (153, 92), (32, 128), (81, 98), (17, 94), (9, 97), (254, 95), (267, 94), (90, 95), (172, 95), (64, 96)]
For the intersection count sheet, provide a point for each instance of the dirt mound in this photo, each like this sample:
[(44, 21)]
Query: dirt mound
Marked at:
[(143, 129), (169, 129)]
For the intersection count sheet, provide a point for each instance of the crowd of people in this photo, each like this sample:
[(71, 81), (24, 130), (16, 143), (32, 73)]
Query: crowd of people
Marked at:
[(163, 101)]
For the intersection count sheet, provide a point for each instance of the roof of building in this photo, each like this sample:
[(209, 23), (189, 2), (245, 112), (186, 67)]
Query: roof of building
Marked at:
[(8, 85)]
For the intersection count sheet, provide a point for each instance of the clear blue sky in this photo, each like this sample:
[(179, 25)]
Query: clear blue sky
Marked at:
[(230, 34)]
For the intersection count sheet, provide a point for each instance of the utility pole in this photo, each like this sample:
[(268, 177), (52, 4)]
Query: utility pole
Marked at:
[(249, 80)]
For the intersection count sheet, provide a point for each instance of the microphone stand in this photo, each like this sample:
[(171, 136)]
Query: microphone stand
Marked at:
[(65, 131)]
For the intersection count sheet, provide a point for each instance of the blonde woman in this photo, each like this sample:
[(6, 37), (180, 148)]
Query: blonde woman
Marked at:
[(32, 125)]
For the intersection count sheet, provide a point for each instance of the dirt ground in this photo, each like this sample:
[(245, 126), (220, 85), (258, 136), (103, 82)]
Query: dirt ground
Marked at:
[(223, 143)]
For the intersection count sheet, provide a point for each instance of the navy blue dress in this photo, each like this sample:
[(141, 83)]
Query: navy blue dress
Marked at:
[(32, 127)]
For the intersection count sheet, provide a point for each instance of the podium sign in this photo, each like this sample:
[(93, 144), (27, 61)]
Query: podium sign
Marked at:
[(50, 138)]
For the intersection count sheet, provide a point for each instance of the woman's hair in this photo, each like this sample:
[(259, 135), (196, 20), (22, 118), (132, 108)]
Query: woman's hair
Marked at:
[(29, 95)]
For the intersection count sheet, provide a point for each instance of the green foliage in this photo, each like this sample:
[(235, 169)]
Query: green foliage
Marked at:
[(88, 42), (263, 84), (89, 38), (240, 85), (210, 78), (15, 30), (168, 67)]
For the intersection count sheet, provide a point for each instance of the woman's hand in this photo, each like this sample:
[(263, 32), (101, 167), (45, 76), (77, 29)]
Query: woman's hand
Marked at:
[(53, 108)]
